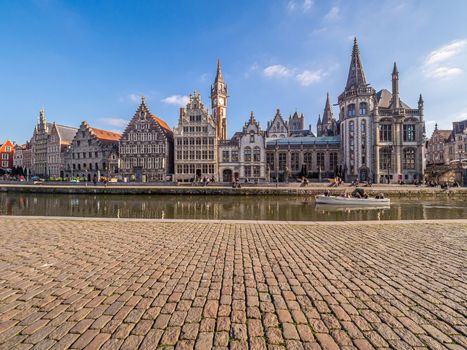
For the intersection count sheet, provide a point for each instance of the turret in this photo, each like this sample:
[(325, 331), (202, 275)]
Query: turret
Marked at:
[(420, 105)]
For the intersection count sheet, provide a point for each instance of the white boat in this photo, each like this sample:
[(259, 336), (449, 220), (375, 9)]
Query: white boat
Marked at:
[(339, 200)]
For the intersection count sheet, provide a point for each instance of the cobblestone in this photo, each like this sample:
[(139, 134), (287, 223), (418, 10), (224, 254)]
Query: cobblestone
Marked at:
[(198, 285)]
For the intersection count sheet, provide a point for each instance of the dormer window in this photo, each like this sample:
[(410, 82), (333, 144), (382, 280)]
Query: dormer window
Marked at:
[(142, 115)]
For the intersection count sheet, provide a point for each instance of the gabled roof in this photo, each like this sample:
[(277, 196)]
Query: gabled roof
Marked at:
[(105, 135), (384, 98), (445, 134), (162, 123), (67, 133)]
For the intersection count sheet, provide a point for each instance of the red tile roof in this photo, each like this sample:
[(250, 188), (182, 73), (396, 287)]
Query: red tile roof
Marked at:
[(161, 123), (106, 135)]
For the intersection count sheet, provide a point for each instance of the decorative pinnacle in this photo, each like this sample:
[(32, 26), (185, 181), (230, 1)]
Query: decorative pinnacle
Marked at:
[(394, 70)]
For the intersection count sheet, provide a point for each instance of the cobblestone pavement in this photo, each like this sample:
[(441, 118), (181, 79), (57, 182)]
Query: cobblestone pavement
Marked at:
[(120, 284)]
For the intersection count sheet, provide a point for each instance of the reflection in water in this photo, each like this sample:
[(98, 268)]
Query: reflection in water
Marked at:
[(291, 208)]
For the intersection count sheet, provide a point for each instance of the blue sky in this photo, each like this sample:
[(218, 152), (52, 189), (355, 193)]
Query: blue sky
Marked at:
[(91, 60)]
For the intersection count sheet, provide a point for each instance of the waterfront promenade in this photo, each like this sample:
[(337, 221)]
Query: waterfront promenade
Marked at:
[(74, 283)]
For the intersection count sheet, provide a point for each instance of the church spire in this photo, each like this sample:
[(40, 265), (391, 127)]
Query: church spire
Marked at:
[(327, 115), (356, 77), (219, 77)]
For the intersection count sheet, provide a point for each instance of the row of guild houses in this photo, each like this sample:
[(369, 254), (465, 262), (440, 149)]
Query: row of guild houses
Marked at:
[(446, 154), (377, 137)]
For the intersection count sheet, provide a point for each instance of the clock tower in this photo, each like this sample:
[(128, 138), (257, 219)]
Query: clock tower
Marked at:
[(219, 103)]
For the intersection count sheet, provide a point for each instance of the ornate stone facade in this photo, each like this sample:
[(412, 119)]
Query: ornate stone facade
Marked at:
[(382, 137), (93, 153), (308, 156), (196, 143), (243, 158), (50, 142), (147, 148)]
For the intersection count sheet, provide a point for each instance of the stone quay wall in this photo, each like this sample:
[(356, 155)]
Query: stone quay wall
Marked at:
[(247, 190)]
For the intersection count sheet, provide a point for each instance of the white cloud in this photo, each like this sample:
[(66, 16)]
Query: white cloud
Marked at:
[(334, 13), (446, 52), (176, 100), (443, 72), (307, 5), (309, 77), (444, 62), (117, 122), (295, 5), (278, 71)]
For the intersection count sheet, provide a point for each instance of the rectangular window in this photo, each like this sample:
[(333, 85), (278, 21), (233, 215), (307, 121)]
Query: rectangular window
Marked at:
[(226, 156), (247, 171), (234, 156), (409, 133), (295, 161), (282, 161), (385, 133), (270, 160), (320, 161)]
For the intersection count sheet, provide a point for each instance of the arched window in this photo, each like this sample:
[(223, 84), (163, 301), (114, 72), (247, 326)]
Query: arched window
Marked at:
[(257, 154), (362, 108), (247, 154), (351, 110)]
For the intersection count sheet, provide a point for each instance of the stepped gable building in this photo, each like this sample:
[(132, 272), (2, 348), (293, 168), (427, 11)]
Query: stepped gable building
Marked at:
[(146, 147), (219, 95), (7, 153), (243, 158), (437, 146), (382, 137), (328, 125), (277, 127), (49, 145), (196, 143), (93, 153)]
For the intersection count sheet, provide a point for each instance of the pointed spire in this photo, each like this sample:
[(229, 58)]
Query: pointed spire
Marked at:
[(420, 100), (395, 87), (219, 77), (319, 118), (252, 117), (356, 77), (436, 126), (327, 115)]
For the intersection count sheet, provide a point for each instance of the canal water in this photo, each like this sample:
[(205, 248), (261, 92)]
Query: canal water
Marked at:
[(290, 208)]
